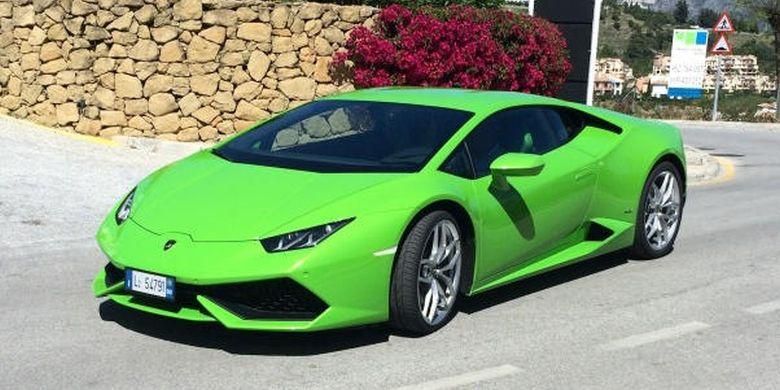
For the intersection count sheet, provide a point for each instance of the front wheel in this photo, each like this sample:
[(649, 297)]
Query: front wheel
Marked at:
[(659, 214), (426, 275)]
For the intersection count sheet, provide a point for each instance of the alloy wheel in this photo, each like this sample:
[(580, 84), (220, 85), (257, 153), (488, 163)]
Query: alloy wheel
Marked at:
[(662, 210), (439, 272)]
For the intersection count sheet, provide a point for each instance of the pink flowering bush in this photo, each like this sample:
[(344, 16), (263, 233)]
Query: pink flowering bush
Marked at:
[(457, 46)]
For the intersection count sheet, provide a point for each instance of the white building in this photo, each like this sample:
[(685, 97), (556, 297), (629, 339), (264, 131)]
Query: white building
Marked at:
[(612, 76), (641, 3), (740, 73), (659, 79)]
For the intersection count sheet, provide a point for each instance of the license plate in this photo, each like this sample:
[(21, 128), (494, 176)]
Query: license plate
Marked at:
[(150, 284)]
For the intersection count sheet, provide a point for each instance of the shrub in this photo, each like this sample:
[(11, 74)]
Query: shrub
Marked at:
[(535, 45), (437, 3), (457, 46), (418, 3)]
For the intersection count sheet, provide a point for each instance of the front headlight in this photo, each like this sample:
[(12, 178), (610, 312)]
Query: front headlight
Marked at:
[(305, 238), (123, 212)]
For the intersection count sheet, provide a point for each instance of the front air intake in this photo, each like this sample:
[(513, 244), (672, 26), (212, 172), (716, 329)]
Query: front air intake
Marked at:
[(275, 299), (114, 275)]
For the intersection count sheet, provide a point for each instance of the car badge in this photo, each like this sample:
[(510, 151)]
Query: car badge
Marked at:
[(169, 244)]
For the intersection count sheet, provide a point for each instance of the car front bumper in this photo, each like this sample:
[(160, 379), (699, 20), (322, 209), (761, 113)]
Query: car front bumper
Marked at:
[(343, 282)]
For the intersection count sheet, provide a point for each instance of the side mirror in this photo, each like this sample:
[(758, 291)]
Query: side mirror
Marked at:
[(517, 164)]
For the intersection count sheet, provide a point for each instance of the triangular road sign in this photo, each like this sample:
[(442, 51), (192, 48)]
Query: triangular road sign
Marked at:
[(724, 25), (722, 46)]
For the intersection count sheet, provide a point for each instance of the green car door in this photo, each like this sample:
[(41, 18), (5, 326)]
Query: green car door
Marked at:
[(531, 213)]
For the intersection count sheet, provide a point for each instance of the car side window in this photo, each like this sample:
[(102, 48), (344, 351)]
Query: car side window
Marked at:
[(459, 163), (566, 123), (518, 130)]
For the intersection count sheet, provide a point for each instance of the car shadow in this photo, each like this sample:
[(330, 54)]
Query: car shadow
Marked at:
[(514, 205), (213, 335), (541, 282)]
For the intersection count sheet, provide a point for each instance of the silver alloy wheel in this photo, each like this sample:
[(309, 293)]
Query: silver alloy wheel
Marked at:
[(662, 210), (439, 272)]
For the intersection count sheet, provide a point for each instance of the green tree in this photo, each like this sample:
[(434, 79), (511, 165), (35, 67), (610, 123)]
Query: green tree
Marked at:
[(639, 53), (609, 8), (769, 10), (607, 51), (761, 49), (747, 25), (707, 17), (681, 12)]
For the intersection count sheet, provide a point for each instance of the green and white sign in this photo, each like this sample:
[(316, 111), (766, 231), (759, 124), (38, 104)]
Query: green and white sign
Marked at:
[(688, 64)]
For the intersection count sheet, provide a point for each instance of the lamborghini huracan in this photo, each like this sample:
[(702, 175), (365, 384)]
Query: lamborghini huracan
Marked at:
[(390, 205)]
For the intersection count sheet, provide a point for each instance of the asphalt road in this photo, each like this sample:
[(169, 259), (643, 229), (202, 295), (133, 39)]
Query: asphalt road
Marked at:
[(706, 316)]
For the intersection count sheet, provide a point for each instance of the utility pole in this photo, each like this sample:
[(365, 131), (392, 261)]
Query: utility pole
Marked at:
[(777, 65), (777, 99), (717, 91), (594, 48), (722, 47)]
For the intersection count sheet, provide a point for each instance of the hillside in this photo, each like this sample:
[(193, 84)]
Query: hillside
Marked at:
[(696, 5)]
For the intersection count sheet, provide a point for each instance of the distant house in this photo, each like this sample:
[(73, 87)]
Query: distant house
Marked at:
[(612, 76), (641, 3), (765, 84), (659, 86), (740, 73), (659, 79), (643, 85)]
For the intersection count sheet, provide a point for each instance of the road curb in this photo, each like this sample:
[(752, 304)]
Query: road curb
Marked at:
[(727, 172), (746, 126), (704, 168)]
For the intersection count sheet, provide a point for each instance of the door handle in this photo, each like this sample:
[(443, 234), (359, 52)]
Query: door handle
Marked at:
[(583, 174)]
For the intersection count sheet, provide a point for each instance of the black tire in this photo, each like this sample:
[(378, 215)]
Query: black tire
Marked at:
[(642, 248), (405, 314)]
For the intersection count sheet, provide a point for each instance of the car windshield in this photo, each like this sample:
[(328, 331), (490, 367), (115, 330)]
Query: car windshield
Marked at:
[(348, 136)]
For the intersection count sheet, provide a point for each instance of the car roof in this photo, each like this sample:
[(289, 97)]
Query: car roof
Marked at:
[(478, 101)]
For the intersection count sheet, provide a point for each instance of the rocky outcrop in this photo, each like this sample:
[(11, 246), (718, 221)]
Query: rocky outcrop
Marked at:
[(176, 69)]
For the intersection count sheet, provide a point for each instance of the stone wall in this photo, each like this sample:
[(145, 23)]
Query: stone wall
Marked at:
[(185, 69)]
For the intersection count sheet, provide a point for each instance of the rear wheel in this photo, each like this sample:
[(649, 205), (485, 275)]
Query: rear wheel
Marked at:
[(426, 275), (660, 213)]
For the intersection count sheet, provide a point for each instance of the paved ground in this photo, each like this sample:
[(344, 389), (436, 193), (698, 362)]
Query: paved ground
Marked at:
[(707, 316)]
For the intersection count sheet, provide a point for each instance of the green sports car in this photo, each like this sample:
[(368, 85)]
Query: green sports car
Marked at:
[(387, 205)]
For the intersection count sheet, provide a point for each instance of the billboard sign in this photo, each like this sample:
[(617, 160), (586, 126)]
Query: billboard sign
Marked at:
[(688, 64)]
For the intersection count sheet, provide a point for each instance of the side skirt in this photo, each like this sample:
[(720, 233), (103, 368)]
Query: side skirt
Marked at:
[(602, 235)]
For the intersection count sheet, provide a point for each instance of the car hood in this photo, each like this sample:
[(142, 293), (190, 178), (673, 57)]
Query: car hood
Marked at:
[(212, 199)]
